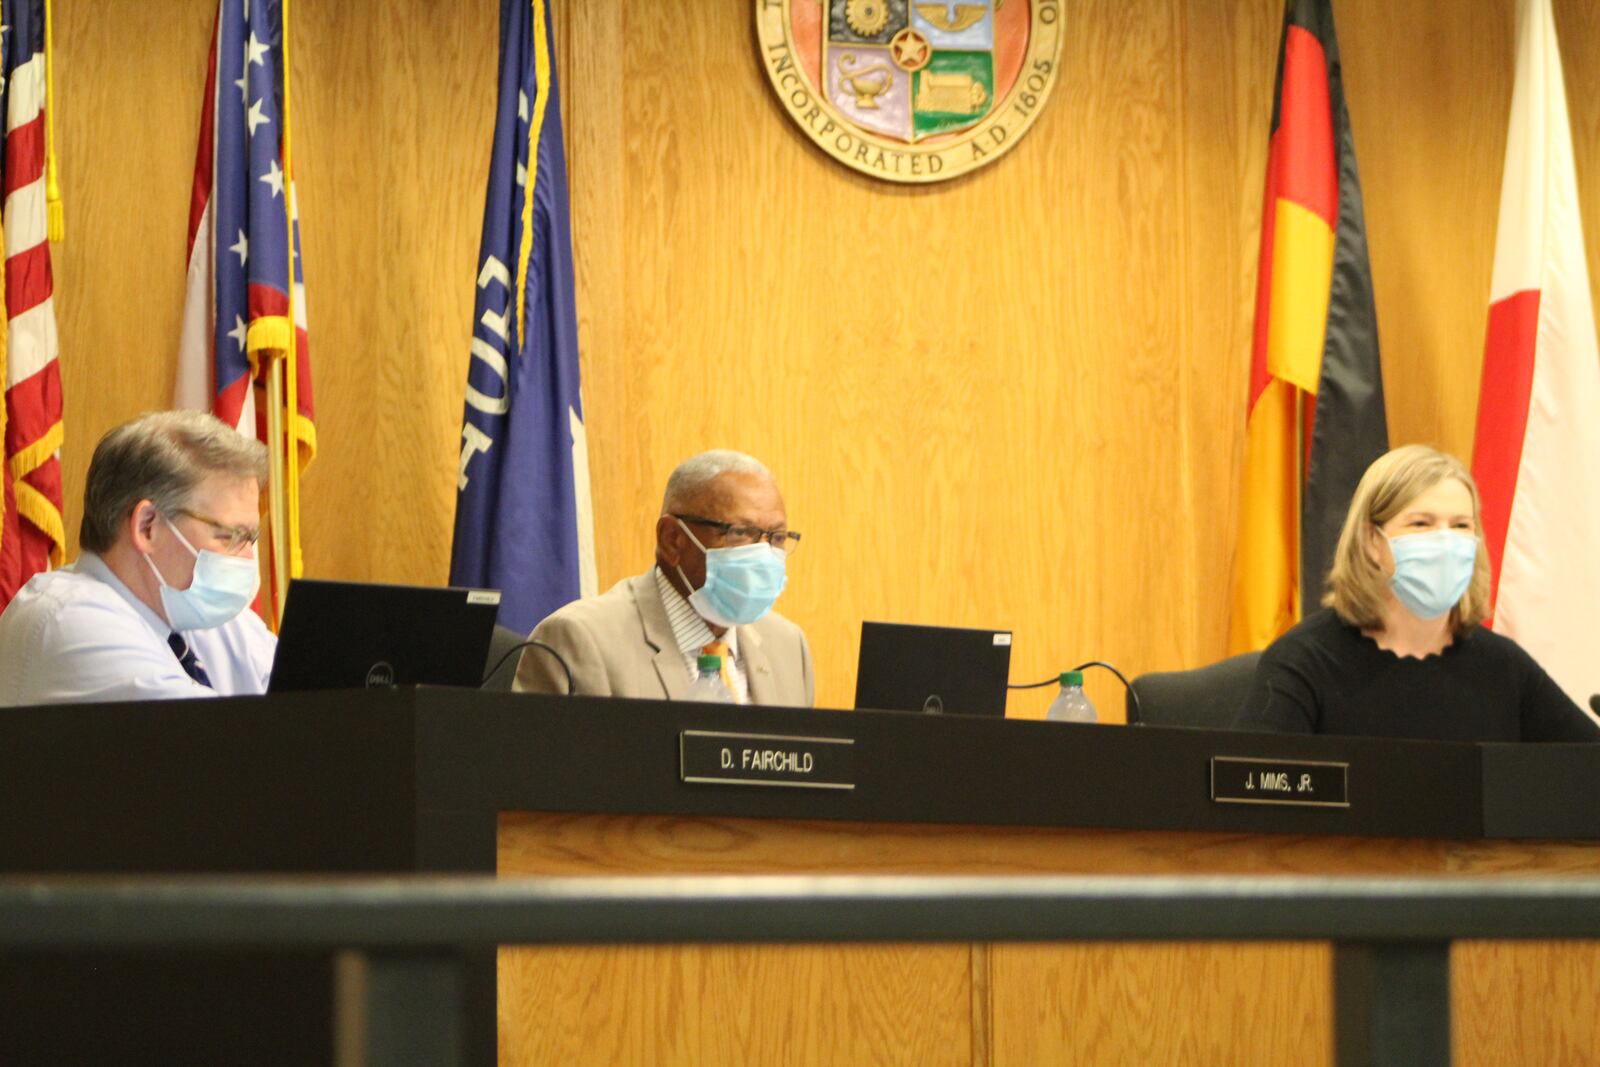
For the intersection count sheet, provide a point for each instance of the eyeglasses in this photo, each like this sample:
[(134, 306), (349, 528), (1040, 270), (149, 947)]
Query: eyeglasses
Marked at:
[(734, 535), (237, 537)]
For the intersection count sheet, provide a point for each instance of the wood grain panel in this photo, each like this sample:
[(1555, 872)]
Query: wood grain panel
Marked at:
[(704, 1006), (394, 105), (1023, 1004), (573, 844), (1525, 1005), (590, 40), (813, 1004), (1429, 90), (1512, 1004), (1138, 1005), (1578, 26)]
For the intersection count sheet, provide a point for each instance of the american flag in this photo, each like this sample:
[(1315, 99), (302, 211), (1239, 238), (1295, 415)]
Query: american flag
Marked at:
[(238, 307), (32, 535)]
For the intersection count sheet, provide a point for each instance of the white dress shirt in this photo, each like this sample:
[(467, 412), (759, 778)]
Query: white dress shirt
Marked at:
[(693, 634), (78, 635)]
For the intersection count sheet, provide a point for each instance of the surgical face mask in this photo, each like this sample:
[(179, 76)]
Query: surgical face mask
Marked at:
[(223, 586), (741, 582), (1432, 570)]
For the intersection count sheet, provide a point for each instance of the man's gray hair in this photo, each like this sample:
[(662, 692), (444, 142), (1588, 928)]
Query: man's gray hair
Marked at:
[(692, 476), (161, 457)]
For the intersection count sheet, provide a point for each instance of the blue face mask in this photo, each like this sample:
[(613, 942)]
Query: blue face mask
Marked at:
[(1432, 570), (223, 586), (741, 583)]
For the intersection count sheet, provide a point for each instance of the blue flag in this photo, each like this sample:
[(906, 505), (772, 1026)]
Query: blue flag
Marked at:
[(523, 522)]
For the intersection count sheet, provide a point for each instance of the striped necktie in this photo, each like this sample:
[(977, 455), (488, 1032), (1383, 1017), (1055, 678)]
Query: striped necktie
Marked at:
[(187, 660), (720, 648)]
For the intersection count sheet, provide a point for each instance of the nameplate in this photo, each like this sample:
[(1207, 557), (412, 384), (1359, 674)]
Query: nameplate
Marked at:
[(767, 759), (1300, 783)]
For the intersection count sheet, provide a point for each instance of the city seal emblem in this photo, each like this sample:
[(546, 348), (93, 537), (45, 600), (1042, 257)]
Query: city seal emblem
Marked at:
[(911, 90)]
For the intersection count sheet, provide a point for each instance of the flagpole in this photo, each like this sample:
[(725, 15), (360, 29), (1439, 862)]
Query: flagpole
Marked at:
[(276, 512), (1299, 467), (291, 372), (283, 395), (55, 216)]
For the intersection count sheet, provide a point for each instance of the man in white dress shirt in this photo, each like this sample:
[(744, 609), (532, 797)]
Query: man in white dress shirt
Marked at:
[(722, 542), (156, 604)]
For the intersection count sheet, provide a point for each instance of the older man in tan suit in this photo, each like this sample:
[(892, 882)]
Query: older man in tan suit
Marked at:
[(721, 542)]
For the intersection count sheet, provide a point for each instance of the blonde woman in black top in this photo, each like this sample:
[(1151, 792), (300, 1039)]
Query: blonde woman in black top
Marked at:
[(1399, 649)]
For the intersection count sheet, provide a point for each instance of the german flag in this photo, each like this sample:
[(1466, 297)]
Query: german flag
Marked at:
[(1316, 416)]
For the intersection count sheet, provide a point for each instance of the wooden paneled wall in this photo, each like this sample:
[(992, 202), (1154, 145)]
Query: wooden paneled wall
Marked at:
[(1014, 400)]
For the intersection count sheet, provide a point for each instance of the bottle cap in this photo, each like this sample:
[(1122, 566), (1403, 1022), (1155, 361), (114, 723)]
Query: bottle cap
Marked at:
[(710, 663), (1072, 678)]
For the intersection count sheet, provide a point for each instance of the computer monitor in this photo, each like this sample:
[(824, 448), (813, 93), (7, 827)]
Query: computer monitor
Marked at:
[(358, 635), (933, 668)]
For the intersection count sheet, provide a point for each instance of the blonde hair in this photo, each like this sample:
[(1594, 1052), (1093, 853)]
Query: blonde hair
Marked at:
[(1357, 586)]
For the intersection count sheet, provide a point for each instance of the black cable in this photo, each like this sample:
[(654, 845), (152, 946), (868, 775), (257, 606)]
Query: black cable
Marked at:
[(1134, 693), (571, 689)]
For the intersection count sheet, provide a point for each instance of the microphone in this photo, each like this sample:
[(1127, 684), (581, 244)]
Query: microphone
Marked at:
[(517, 649)]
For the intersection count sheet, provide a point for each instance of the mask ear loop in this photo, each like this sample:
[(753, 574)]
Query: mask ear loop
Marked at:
[(689, 533), (161, 579), (687, 584), (1378, 537), (182, 540)]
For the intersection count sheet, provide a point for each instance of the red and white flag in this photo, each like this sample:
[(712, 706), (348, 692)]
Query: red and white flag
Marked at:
[(1536, 456)]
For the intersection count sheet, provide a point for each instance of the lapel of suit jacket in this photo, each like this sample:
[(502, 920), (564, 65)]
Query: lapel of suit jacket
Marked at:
[(757, 671), (668, 660)]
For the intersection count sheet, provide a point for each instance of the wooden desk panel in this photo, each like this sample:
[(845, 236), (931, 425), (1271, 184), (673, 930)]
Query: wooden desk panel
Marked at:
[(707, 1005), (1002, 1005), (1525, 1004), (1190, 1004)]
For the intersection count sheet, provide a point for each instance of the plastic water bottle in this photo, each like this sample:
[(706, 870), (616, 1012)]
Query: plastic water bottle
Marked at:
[(1070, 705), (709, 687)]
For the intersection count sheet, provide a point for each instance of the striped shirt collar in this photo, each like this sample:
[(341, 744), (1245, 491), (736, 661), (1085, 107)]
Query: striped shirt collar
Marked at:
[(691, 632)]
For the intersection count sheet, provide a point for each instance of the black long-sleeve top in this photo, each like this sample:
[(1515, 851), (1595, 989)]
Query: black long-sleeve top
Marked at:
[(1325, 676)]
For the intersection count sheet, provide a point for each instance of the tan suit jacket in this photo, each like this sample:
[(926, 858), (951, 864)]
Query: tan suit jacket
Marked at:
[(620, 644)]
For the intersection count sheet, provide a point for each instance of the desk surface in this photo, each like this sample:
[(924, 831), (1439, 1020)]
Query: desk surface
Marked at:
[(413, 779)]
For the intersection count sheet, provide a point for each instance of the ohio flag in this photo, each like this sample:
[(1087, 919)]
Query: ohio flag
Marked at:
[(241, 302), (523, 519)]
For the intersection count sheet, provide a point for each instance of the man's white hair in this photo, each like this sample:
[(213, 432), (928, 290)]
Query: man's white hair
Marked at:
[(692, 476)]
